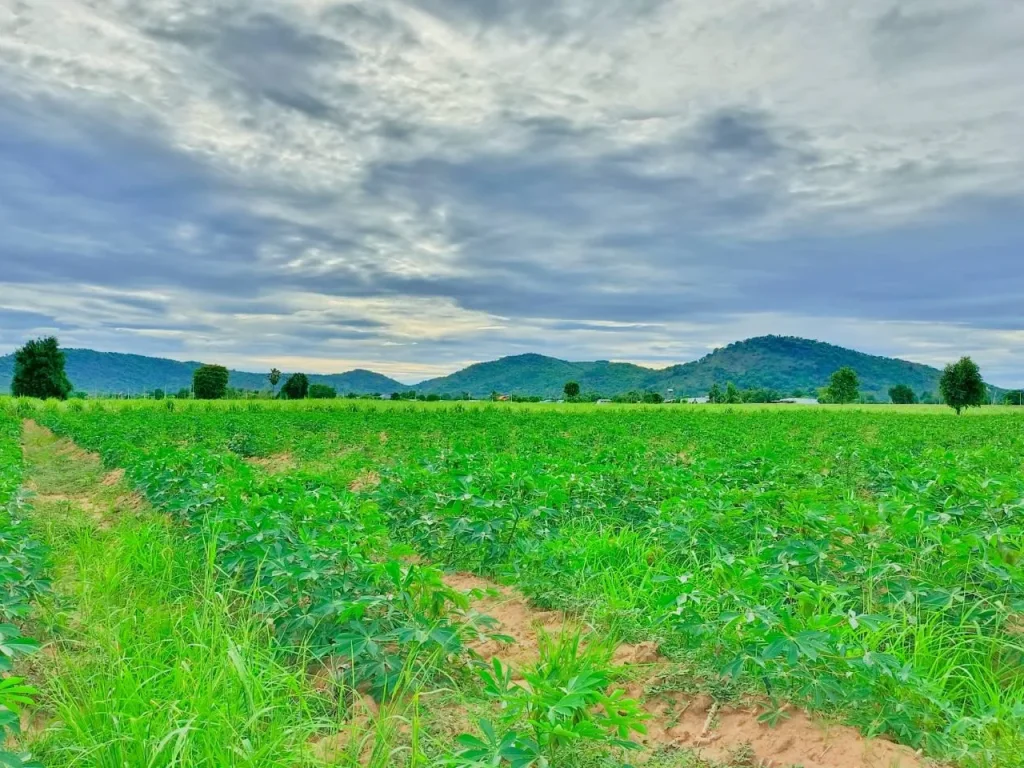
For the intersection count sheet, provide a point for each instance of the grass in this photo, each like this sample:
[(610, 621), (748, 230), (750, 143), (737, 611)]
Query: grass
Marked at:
[(150, 663)]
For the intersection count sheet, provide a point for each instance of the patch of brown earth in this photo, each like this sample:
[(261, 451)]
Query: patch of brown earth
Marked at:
[(366, 480), (79, 501), (686, 721), (514, 616), (112, 478), (278, 464)]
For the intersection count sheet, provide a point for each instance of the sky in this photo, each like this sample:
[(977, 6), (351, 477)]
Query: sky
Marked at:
[(411, 186)]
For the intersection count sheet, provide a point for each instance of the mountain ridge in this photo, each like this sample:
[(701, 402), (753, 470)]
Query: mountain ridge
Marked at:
[(783, 363)]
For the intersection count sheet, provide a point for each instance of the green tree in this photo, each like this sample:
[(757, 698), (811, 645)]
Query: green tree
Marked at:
[(961, 385), (296, 388), (844, 386), (274, 377), (159, 394), (715, 394), (901, 394), (210, 382), (39, 371), (571, 389), (322, 392), (732, 394)]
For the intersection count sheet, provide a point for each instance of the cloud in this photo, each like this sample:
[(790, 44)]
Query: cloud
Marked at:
[(412, 185)]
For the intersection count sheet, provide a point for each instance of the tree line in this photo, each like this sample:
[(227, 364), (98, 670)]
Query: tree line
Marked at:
[(39, 371)]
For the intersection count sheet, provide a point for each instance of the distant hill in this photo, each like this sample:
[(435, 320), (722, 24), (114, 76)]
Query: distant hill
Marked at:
[(783, 363), (112, 373)]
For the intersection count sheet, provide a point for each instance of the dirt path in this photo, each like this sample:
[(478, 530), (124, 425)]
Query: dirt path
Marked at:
[(687, 721)]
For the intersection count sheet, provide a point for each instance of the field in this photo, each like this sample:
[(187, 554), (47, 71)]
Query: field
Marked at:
[(363, 584)]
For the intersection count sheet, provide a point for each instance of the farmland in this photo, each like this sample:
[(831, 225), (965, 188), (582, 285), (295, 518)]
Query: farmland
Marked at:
[(324, 584)]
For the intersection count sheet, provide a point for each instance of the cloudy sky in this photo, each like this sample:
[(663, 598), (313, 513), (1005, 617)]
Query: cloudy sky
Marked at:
[(414, 185)]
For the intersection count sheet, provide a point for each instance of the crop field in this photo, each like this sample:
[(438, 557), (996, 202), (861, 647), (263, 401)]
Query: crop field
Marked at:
[(417, 585)]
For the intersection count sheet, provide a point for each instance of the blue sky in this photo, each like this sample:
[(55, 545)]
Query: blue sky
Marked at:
[(415, 185)]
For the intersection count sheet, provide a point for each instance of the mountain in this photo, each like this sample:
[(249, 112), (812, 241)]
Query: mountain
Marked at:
[(783, 363), (113, 372)]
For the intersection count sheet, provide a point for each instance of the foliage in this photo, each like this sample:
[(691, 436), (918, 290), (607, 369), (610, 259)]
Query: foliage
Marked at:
[(39, 371), (864, 563), (22, 563), (159, 394), (901, 394), (962, 386), (296, 387), (715, 394), (274, 377), (571, 390), (1016, 397), (563, 700), (322, 392), (210, 382), (843, 388)]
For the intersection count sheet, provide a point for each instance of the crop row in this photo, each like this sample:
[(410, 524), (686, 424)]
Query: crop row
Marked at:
[(22, 565)]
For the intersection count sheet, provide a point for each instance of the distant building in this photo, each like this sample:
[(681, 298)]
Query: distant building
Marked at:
[(800, 401), (698, 400), (603, 402)]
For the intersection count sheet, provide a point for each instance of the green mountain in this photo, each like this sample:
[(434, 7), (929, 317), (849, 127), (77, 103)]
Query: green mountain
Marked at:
[(114, 373), (783, 363)]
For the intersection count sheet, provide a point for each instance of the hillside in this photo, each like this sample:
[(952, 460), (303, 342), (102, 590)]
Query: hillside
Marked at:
[(112, 372), (779, 362)]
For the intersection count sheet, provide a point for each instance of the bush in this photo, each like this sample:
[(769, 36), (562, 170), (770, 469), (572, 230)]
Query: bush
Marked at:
[(322, 392), (901, 394)]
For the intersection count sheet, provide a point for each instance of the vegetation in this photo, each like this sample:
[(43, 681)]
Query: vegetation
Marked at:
[(296, 388), (843, 388), (783, 364), (274, 377), (322, 392), (901, 394), (962, 385), (571, 390), (22, 563), (210, 382), (39, 371), (1016, 397)]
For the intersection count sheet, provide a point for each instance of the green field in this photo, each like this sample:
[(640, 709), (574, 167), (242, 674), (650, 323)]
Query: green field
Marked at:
[(285, 592)]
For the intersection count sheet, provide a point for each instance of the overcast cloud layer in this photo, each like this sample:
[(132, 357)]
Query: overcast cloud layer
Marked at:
[(414, 185)]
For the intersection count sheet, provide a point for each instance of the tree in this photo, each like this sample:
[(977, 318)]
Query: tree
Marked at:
[(715, 394), (159, 394), (323, 392), (901, 394), (732, 394), (39, 371), (296, 388), (183, 394), (210, 382), (274, 377), (961, 385), (844, 386), (572, 390)]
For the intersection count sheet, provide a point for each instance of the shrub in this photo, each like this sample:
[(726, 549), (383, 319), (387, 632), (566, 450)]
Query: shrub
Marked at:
[(322, 392), (901, 394)]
